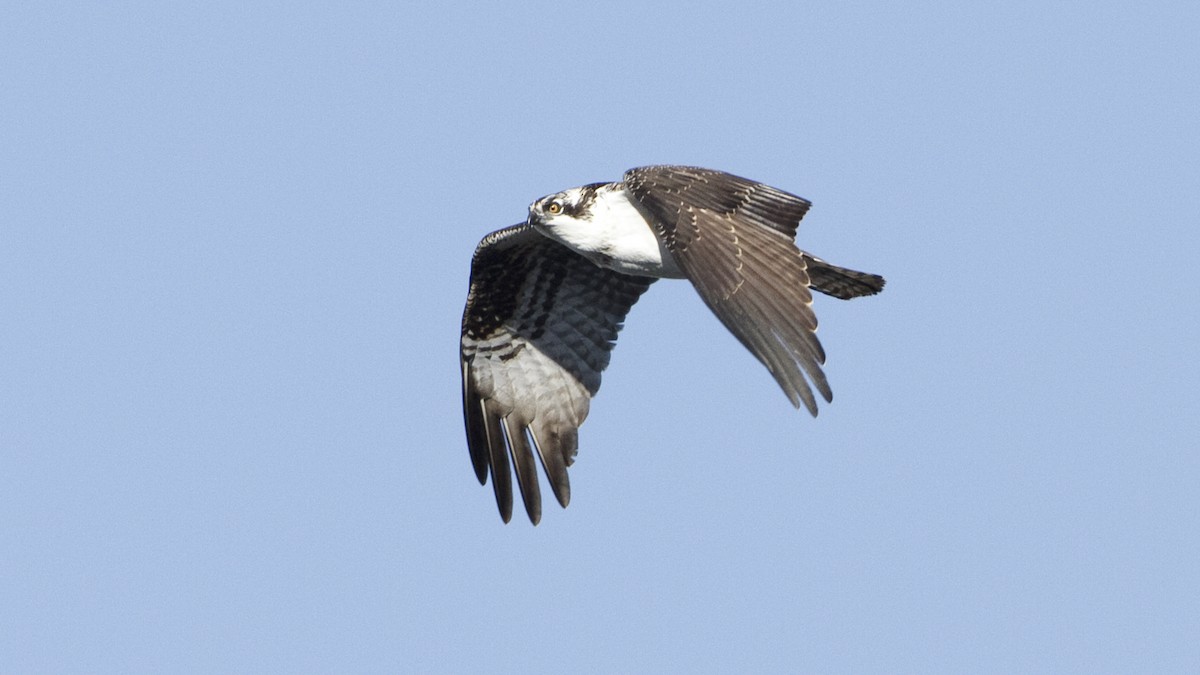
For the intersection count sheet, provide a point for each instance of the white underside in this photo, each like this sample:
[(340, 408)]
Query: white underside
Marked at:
[(617, 236)]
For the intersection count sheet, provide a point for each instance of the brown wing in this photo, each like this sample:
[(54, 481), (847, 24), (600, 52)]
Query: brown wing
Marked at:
[(538, 329), (733, 238)]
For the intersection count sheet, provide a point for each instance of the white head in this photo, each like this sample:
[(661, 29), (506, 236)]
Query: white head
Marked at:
[(562, 211)]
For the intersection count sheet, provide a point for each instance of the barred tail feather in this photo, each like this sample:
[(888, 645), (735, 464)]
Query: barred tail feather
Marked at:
[(841, 282)]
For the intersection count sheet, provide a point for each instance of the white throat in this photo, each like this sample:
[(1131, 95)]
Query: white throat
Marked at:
[(616, 235)]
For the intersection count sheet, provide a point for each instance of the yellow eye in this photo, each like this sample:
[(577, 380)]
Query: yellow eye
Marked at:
[(554, 208)]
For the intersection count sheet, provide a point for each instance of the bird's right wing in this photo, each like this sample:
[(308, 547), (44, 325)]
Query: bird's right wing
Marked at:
[(537, 331)]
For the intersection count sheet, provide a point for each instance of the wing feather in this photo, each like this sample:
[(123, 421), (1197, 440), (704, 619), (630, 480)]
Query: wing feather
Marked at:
[(497, 454), (538, 328), (527, 476), (734, 239)]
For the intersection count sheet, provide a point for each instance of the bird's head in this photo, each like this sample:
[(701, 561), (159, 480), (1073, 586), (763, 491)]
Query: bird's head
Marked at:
[(561, 211)]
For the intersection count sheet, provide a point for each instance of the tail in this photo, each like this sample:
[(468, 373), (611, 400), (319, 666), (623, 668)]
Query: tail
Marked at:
[(841, 282)]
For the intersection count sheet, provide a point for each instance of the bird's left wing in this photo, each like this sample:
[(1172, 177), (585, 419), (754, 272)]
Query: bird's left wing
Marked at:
[(537, 331), (733, 238)]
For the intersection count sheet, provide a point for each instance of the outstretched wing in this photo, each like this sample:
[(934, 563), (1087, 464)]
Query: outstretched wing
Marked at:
[(733, 238), (537, 331)]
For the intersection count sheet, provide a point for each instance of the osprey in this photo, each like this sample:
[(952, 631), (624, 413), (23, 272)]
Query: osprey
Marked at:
[(548, 296)]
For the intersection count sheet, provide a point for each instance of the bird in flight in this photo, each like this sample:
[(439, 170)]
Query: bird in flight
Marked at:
[(548, 296)]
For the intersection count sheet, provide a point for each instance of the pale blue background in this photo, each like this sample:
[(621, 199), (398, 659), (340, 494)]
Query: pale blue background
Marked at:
[(234, 244)]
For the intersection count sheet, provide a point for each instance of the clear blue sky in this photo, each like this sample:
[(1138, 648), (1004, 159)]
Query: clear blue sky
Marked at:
[(234, 246)]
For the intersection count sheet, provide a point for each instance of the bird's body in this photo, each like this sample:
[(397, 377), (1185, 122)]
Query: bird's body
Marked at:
[(548, 297)]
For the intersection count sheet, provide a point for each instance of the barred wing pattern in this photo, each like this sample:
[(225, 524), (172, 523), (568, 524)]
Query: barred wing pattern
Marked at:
[(734, 239), (538, 329)]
